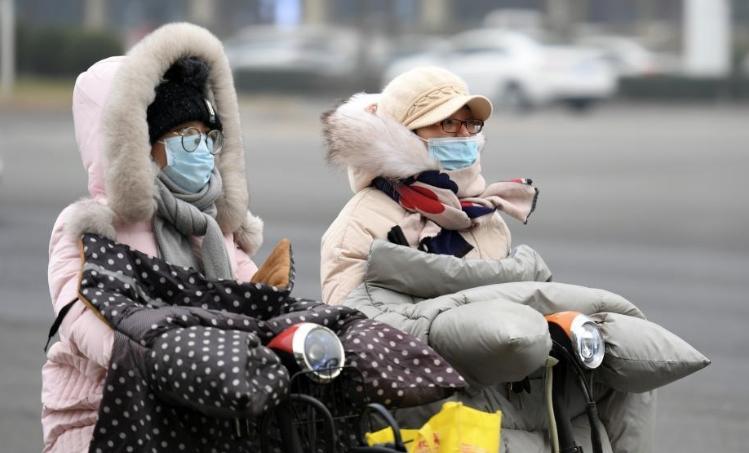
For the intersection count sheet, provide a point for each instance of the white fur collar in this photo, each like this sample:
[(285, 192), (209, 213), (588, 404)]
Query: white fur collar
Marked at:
[(370, 144)]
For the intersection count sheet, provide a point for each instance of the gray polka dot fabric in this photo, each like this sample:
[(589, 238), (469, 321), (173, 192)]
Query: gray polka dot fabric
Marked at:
[(190, 370)]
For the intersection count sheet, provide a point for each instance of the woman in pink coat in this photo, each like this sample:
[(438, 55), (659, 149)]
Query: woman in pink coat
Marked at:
[(158, 132)]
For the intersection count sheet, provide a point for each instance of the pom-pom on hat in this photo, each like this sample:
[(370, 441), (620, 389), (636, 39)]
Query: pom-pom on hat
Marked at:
[(427, 95), (181, 98)]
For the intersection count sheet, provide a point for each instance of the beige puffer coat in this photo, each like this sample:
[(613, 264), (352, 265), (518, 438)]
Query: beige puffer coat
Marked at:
[(369, 145)]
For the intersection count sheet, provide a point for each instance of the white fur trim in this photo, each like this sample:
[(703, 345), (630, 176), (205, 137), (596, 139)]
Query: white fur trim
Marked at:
[(249, 237), (371, 144), (90, 216), (129, 180)]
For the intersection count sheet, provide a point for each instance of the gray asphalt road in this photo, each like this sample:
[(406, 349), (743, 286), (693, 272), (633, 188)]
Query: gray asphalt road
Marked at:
[(647, 201)]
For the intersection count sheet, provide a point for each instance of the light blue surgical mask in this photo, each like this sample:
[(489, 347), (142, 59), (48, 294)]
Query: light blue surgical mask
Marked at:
[(189, 170), (454, 153)]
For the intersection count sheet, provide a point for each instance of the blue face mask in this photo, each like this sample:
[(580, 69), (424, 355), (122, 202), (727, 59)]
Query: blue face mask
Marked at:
[(454, 153), (189, 170)]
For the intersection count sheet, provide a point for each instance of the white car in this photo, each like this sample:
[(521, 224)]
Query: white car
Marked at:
[(628, 57), (519, 72), (308, 51)]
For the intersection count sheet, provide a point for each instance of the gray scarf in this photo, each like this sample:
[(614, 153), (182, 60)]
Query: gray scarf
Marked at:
[(181, 215)]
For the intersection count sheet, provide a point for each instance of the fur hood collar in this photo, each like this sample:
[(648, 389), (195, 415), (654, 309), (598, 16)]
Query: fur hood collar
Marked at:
[(369, 143), (109, 106)]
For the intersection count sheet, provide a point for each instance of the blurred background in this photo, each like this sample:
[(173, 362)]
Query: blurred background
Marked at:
[(632, 116), (531, 51)]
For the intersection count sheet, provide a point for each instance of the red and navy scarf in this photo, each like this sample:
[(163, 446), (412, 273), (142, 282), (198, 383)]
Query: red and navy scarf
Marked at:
[(440, 213)]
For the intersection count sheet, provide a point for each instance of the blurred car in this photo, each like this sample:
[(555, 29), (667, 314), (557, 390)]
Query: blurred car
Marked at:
[(400, 46), (517, 71), (279, 56), (523, 20), (628, 57)]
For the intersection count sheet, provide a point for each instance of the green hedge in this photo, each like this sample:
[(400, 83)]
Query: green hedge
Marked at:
[(62, 51), (687, 88)]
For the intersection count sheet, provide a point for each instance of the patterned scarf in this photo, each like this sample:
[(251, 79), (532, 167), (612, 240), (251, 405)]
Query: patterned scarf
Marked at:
[(443, 204)]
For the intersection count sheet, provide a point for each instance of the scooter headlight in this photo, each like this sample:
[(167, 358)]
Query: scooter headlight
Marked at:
[(587, 342), (316, 349)]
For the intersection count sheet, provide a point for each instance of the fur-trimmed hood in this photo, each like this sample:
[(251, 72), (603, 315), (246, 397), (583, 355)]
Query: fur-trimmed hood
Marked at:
[(369, 143), (110, 101)]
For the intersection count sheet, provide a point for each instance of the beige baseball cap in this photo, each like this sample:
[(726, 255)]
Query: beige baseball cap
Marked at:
[(426, 95)]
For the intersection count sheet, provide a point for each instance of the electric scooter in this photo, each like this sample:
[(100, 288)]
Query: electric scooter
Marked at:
[(326, 408)]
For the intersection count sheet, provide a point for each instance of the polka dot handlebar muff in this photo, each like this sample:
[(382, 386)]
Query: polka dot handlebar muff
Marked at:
[(217, 372), (399, 370), (189, 356)]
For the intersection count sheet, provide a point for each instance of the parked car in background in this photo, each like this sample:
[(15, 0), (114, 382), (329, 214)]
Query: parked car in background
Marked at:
[(628, 57), (401, 46), (519, 72), (301, 57)]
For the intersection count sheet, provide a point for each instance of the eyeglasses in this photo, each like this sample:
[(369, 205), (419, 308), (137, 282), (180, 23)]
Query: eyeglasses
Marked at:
[(192, 136), (452, 125)]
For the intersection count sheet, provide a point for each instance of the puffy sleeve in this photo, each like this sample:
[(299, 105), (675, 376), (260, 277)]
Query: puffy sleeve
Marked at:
[(87, 334), (343, 261), (344, 252)]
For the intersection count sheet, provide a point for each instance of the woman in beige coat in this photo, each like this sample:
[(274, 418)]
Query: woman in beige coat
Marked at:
[(413, 159), (412, 154)]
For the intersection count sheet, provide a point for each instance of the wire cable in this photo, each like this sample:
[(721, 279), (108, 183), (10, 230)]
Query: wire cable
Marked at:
[(549, 386)]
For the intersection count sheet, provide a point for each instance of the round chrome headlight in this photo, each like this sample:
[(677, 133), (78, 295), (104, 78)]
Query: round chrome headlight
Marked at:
[(587, 341), (318, 350)]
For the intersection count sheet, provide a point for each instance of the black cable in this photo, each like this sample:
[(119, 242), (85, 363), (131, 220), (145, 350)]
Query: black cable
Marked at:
[(380, 410), (563, 420), (595, 436), (579, 373), (591, 409)]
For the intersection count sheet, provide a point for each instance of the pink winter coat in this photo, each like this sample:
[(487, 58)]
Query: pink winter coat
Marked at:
[(73, 376)]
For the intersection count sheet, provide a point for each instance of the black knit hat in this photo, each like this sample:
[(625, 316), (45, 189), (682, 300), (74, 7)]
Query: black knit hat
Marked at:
[(181, 98)]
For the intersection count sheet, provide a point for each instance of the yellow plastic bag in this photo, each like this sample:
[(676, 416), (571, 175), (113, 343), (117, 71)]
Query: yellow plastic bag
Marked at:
[(454, 429)]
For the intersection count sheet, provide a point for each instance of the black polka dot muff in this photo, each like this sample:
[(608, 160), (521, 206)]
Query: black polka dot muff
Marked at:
[(191, 355)]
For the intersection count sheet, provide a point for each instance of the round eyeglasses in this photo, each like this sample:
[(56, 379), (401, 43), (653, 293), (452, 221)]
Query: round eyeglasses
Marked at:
[(452, 125), (192, 136)]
